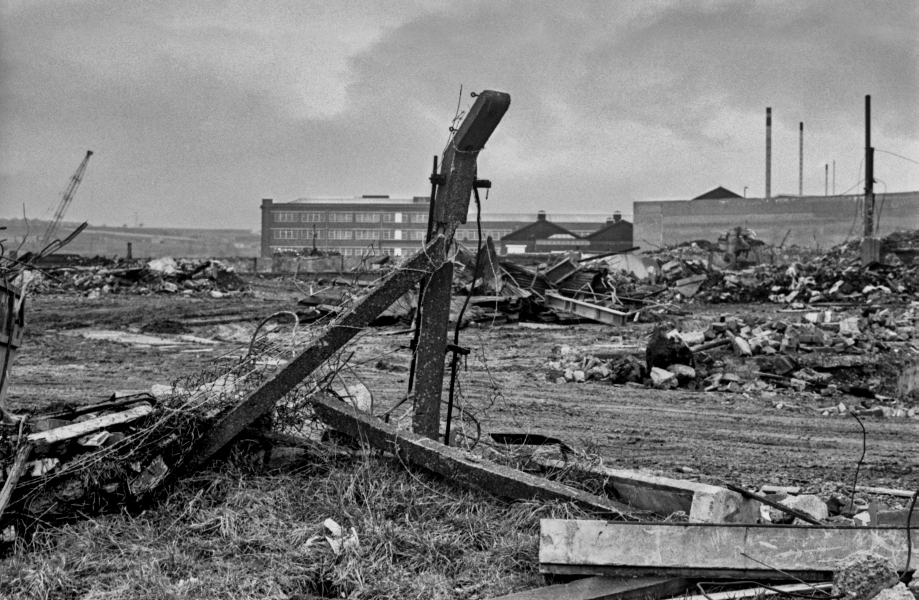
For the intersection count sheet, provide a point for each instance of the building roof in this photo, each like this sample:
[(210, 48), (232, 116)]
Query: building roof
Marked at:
[(619, 230), (717, 194), (541, 229)]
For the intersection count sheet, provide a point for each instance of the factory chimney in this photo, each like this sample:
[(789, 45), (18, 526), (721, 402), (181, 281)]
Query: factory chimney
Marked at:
[(768, 152), (801, 159)]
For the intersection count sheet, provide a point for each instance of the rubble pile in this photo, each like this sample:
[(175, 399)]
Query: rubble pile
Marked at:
[(835, 276), (825, 353), (162, 275)]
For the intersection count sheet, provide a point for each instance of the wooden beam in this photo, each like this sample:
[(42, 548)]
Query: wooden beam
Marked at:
[(586, 309), (606, 588), (885, 491), (664, 496), (457, 465), (68, 432), (691, 550), (345, 327), (12, 477)]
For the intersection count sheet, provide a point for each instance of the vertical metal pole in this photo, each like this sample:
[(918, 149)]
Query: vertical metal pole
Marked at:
[(826, 180), (427, 239), (801, 160), (869, 172), (769, 152)]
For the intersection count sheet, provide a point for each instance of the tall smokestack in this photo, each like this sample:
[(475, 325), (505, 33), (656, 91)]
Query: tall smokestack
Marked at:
[(801, 160), (768, 152)]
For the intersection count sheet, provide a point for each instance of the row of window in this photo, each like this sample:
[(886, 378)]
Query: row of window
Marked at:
[(361, 251), (349, 234), (349, 217), (473, 234), (380, 234)]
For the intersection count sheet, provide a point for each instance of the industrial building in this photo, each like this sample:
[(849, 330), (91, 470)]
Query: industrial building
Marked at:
[(812, 221), (397, 226)]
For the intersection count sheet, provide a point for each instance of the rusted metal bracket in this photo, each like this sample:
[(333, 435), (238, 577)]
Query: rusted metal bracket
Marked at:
[(457, 465), (451, 205), (341, 331)]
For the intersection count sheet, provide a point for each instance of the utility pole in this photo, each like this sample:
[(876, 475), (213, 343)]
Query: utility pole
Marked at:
[(826, 180)]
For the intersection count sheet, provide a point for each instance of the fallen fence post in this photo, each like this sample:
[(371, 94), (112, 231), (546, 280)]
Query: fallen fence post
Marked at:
[(340, 332), (453, 463)]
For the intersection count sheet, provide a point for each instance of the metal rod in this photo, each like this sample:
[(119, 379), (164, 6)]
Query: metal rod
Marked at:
[(423, 282)]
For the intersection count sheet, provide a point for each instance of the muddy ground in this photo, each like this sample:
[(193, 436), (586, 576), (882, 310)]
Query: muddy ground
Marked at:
[(711, 437)]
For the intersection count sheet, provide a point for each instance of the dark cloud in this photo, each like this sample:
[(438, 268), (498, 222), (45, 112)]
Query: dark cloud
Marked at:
[(197, 111)]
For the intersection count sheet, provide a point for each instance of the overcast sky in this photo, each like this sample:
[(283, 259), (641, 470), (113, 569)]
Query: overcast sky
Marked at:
[(197, 110)]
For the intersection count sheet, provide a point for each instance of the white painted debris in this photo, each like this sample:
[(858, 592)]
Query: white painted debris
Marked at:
[(166, 265), (336, 539)]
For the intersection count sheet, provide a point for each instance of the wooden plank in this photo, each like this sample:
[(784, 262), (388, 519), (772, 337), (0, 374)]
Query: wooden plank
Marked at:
[(704, 550), (16, 470), (586, 309), (457, 465), (67, 432), (606, 588), (884, 491), (345, 327), (665, 496)]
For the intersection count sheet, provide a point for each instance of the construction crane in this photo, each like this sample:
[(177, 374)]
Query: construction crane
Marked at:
[(66, 197)]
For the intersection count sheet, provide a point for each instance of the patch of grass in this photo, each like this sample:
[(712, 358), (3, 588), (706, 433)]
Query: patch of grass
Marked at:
[(239, 532)]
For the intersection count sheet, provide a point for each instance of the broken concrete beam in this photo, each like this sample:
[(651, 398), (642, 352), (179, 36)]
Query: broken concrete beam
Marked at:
[(898, 518), (67, 432), (705, 550), (606, 588), (457, 465), (664, 496), (586, 309)]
